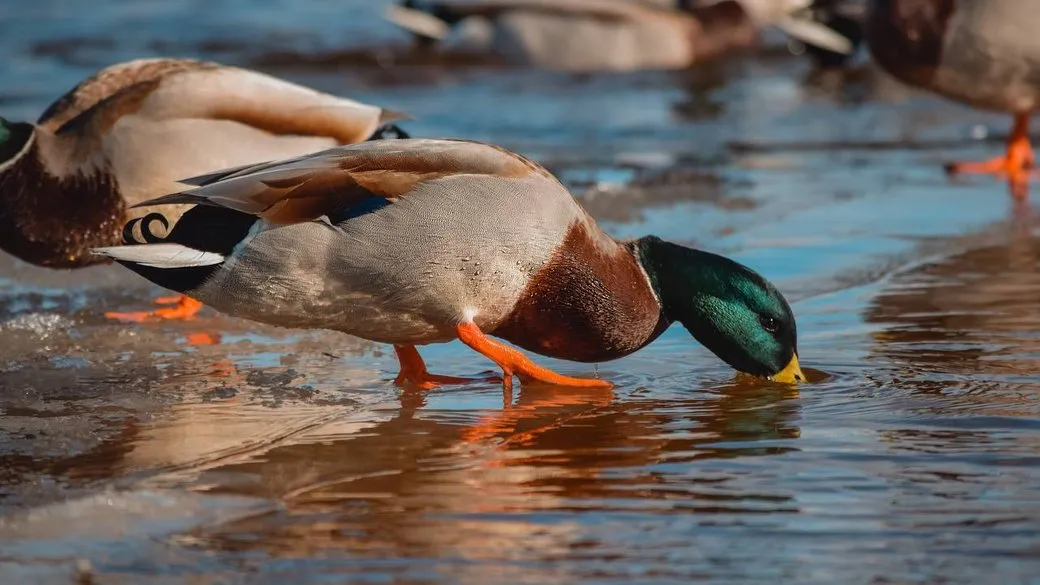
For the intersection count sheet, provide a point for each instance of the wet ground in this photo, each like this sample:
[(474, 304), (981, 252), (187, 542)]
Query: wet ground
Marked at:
[(129, 455)]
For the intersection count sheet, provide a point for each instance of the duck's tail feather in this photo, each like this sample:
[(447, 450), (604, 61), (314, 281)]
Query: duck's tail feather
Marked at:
[(811, 32), (200, 180), (388, 132), (163, 255), (199, 246), (418, 22), (184, 197)]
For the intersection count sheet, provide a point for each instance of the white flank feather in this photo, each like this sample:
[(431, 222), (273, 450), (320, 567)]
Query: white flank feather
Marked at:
[(161, 255), (812, 32)]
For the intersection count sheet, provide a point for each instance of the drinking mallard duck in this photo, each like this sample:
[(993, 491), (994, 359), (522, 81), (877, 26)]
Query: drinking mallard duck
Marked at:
[(410, 242)]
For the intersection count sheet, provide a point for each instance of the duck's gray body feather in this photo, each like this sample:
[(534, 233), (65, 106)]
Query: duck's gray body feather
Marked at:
[(985, 53), (403, 264), (407, 272)]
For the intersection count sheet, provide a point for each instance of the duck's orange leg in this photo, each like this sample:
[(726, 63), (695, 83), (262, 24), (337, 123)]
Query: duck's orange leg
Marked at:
[(183, 308), (413, 371), (514, 362), (1015, 164)]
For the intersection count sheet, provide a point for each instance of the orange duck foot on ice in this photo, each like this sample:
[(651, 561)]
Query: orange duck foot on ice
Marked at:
[(1016, 164), (514, 362), (183, 308), (413, 371)]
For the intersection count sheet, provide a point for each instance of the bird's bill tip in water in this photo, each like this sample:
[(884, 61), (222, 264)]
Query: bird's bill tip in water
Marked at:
[(791, 373)]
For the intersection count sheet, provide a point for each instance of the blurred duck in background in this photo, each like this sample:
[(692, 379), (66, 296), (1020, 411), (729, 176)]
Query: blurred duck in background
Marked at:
[(844, 17), (131, 131), (983, 53), (610, 35)]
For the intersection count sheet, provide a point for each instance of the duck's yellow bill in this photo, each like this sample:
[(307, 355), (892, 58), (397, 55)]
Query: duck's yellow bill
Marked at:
[(791, 373)]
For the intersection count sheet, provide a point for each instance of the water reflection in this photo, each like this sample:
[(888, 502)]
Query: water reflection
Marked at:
[(959, 335), (857, 86), (471, 484), (701, 85), (91, 403), (915, 461), (974, 313)]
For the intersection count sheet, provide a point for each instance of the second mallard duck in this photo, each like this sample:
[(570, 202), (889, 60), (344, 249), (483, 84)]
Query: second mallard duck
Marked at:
[(984, 53), (127, 134), (411, 242)]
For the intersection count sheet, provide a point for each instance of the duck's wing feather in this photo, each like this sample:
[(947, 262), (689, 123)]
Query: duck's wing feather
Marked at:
[(325, 183), (110, 81), (171, 89)]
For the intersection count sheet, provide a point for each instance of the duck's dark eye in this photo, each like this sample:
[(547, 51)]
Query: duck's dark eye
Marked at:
[(769, 324)]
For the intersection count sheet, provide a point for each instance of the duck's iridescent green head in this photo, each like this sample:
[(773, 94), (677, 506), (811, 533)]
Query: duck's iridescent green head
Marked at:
[(729, 308)]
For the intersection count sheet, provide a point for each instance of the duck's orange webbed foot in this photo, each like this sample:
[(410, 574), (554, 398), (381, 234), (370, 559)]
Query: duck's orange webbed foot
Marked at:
[(183, 308), (513, 362), (413, 371), (1016, 164)]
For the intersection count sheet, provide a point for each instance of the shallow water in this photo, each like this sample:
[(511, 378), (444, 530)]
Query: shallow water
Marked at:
[(272, 455)]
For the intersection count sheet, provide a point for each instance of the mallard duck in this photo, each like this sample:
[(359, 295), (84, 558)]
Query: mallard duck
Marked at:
[(983, 53), (411, 242), (610, 35), (129, 132)]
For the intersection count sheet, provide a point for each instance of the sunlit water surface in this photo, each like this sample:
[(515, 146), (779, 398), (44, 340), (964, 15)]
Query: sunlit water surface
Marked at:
[(272, 455)]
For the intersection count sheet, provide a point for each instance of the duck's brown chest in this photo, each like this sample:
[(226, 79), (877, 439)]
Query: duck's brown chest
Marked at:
[(585, 305), (56, 222)]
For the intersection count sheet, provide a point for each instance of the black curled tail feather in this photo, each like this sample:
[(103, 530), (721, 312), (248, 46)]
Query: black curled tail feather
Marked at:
[(144, 225), (206, 229), (388, 132)]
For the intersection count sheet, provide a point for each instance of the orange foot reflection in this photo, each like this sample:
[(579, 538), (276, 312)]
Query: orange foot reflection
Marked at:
[(553, 403), (183, 308), (200, 338), (225, 369), (230, 375)]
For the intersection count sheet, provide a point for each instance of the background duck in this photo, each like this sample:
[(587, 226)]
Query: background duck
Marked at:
[(608, 35), (985, 54), (129, 132), (421, 241)]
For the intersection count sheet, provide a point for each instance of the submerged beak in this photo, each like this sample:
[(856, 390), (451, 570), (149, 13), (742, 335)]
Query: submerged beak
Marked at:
[(791, 373)]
